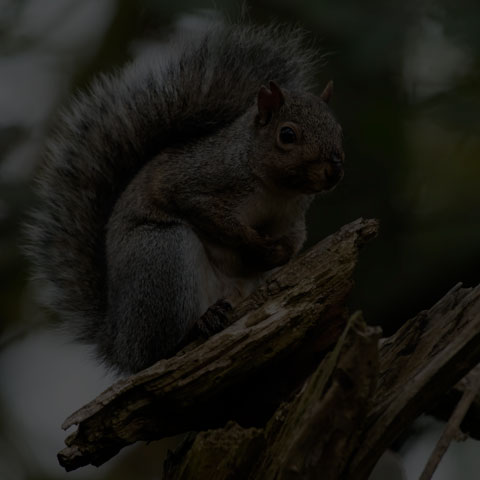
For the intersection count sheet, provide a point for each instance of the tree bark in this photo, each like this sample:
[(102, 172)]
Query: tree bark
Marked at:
[(419, 364), (242, 373), (268, 400)]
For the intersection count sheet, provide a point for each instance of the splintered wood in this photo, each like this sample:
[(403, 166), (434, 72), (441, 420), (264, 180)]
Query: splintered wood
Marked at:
[(269, 400)]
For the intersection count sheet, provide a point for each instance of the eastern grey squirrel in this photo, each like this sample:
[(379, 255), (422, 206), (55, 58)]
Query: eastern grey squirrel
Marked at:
[(173, 186)]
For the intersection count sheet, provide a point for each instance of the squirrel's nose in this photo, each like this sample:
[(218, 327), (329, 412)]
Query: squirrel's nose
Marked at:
[(334, 170), (336, 161)]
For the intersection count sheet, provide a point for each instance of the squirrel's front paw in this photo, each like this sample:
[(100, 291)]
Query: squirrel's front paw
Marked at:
[(215, 319), (274, 253), (281, 251)]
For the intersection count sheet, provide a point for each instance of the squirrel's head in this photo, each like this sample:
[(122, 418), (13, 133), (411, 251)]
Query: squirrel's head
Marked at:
[(298, 140)]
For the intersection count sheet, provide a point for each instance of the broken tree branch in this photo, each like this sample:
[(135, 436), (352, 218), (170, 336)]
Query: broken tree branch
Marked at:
[(244, 371), (267, 379), (319, 429), (342, 430), (314, 432), (418, 364), (452, 429), (443, 408)]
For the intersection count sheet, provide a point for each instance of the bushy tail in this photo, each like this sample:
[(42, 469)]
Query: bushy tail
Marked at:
[(122, 122)]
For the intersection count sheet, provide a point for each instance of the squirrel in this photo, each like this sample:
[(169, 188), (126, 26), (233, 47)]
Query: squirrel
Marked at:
[(173, 186)]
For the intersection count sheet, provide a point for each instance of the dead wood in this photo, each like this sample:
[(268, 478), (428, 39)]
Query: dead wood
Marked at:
[(267, 401), (318, 430), (445, 405), (315, 432), (452, 429), (239, 374), (339, 425), (420, 363)]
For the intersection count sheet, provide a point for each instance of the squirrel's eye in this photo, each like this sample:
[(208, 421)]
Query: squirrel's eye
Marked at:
[(287, 135)]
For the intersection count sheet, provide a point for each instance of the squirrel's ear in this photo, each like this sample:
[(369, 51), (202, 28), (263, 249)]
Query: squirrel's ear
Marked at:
[(327, 92), (269, 101)]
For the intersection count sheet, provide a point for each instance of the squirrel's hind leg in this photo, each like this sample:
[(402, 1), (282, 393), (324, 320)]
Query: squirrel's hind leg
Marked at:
[(156, 293)]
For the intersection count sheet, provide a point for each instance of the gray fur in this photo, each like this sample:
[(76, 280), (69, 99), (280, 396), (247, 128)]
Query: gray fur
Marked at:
[(125, 270)]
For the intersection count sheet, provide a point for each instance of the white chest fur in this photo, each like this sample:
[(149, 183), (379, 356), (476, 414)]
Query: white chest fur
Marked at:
[(222, 274)]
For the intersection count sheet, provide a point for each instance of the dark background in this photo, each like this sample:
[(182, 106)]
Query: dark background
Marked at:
[(407, 92)]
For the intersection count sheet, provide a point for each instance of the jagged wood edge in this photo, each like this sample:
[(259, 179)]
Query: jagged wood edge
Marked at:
[(422, 361), (451, 430), (314, 432), (319, 429), (428, 355), (443, 408), (182, 393)]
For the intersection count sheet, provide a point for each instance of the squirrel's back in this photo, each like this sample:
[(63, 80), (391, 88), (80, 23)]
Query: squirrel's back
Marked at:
[(111, 131)]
